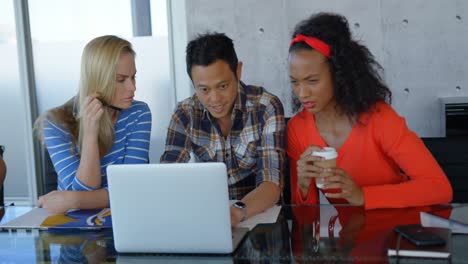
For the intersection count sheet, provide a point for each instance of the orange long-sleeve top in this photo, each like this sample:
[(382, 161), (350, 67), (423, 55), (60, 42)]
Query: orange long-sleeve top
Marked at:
[(379, 145)]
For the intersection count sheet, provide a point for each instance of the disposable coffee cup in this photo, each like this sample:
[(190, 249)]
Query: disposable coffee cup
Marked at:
[(329, 154)]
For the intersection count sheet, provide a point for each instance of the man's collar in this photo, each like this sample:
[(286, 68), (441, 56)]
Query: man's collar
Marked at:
[(241, 101), (200, 106)]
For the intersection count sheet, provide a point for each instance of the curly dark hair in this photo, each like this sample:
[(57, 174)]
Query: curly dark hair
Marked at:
[(357, 82), (209, 47)]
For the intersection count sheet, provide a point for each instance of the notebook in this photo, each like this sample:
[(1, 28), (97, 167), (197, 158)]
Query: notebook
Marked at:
[(399, 246), (39, 218), (171, 208)]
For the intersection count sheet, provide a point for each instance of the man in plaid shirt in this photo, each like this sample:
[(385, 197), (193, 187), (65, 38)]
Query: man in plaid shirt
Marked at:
[(231, 122)]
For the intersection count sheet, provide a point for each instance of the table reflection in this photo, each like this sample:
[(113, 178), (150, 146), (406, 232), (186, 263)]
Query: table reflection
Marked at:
[(347, 233), (302, 234), (76, 247)]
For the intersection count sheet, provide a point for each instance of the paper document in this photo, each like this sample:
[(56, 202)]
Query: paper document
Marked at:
[(269, 216), (39, 218), (458, 221), (31, 219), (401, 247)]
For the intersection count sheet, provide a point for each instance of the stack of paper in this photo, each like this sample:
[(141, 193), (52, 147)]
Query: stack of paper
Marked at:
[(39, 218), (457, 222), (269, 216), (399, 246)]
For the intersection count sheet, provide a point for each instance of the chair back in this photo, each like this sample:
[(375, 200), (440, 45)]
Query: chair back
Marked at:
[(286, 192), (49, 175), (2, 174), (452, 155)]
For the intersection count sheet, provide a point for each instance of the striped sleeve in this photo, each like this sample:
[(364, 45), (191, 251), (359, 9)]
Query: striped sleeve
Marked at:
[(138, 137), (66, 162)]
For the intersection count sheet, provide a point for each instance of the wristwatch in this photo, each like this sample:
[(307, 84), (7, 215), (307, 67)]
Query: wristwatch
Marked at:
[(243, 207)]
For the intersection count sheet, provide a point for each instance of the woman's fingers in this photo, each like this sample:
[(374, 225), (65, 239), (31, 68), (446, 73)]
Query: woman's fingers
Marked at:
[(309, 150), (336, 176), (307, 163), (40, 201), (94, 106), (92, 113), (312, 159), (311, 172), (334, 195), (96, 112), (349, 190), (309, 169)]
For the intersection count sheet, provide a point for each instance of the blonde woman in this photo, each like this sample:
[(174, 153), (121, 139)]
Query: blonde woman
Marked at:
[(102, 125)]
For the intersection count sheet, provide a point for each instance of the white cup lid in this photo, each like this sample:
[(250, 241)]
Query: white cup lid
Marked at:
[(327, 153)]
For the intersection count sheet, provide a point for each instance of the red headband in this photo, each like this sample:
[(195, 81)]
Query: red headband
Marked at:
[(314, 43)]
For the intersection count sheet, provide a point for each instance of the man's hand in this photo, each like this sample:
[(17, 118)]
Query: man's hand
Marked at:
[(236, 216), (261, 198)]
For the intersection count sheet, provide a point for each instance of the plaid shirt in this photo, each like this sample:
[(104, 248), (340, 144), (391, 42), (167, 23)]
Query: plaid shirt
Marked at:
[(254, 150)]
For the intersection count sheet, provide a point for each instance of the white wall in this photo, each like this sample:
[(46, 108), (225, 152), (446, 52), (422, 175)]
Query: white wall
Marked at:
[(426, 55)]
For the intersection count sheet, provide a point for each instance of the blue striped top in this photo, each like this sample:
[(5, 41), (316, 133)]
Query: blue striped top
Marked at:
[(131, 146)]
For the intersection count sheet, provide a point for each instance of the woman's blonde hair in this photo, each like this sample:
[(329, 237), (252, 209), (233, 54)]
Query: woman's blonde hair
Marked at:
[(98, 70)]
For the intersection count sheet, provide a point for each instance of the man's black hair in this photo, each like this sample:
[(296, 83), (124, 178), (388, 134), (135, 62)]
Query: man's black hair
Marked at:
[(207, 48)]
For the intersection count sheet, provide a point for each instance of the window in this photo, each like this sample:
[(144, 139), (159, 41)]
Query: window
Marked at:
[(15, 129), (59, 31)]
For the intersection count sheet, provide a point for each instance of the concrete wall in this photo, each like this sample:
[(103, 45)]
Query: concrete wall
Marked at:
[(421, 44)]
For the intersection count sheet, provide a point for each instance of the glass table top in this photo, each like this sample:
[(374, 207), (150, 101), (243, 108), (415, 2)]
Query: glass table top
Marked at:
[(302, 234)]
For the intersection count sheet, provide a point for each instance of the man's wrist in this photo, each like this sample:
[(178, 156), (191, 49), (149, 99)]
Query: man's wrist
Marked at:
[(242, 207), (237, 214)]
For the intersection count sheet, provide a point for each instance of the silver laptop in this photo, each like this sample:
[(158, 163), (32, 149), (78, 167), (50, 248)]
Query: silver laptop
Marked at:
[(171, 208)]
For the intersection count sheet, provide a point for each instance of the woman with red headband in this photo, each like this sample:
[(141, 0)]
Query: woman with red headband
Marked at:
[(345, 105)]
